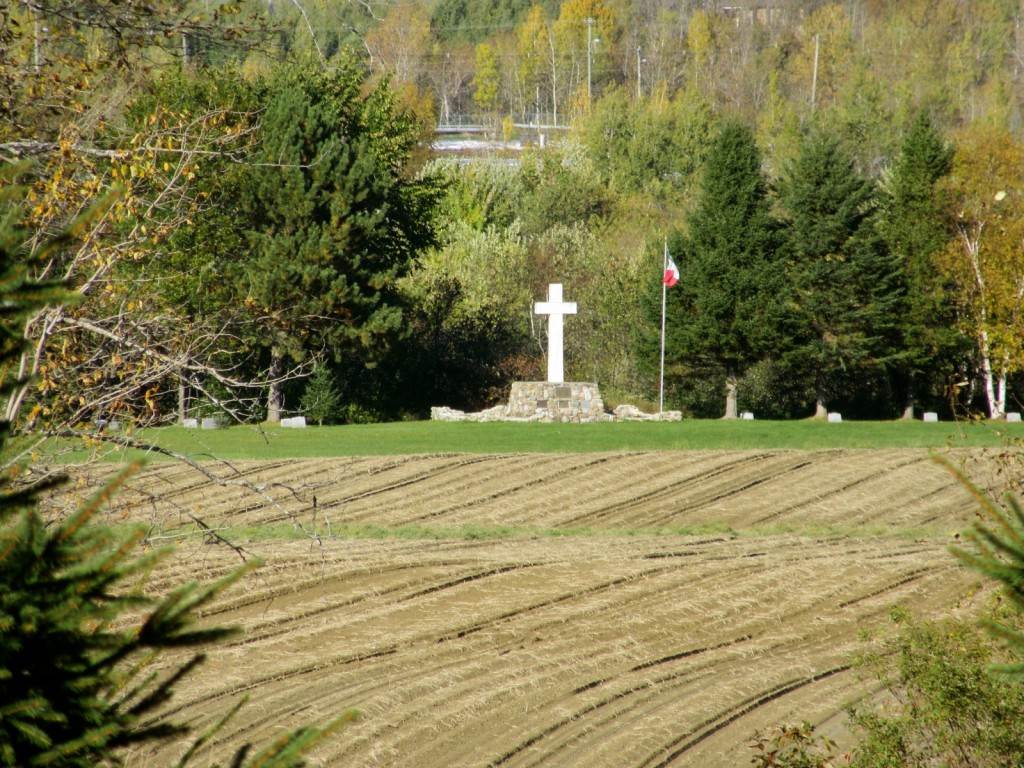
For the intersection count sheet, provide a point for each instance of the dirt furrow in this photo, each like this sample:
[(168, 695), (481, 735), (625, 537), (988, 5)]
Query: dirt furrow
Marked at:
[(596, 648)]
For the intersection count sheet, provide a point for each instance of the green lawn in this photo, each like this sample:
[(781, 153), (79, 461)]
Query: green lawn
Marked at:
[(252, 442)]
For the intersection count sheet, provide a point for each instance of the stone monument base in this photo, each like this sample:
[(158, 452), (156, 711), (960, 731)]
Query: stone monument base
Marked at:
[(571, 401)]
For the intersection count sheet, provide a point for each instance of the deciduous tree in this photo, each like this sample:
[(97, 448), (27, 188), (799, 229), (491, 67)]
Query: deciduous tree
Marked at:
[(986, 257), (78, 631), (401, 44), (486, 78), (73, 73)]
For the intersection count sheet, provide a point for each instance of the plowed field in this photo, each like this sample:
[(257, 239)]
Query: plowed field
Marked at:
[(616, 610)]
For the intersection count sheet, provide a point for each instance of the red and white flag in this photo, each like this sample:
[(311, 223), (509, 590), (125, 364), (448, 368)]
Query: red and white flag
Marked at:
[(671, 273)]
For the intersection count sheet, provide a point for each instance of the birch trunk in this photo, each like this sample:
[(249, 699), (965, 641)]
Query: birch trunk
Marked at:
[(274, 388), (995, 390)]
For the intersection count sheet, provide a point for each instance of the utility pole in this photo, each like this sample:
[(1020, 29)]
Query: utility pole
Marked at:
[(814, 79), (37, 43), (590, 55), (638, 90)]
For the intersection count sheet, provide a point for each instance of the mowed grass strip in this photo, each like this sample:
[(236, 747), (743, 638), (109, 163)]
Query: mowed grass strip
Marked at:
[(266, 443), (367, 531)]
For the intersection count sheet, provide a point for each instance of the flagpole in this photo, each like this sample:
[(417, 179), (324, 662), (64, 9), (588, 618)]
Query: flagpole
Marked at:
[(664, 289)]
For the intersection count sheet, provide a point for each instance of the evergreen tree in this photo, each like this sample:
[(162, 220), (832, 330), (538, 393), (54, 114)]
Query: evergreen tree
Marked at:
[(844, 280), (997, 551), (730, 309), (321, 400), (912, 223), (333, 218)]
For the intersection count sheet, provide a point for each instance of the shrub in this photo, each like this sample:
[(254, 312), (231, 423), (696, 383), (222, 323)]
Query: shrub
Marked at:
[(795, 746), (941, 705), (321, 400)]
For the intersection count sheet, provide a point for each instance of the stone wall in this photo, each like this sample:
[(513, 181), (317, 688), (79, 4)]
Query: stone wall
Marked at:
[(543, 401)]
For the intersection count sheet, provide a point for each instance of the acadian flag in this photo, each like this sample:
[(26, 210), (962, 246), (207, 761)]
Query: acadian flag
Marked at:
[(671, 272), (670, 279)]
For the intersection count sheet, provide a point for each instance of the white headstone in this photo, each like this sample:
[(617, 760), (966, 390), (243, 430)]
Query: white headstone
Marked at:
[(295, 422), (556, 309), (190, 423), (211, 423), (930, 416), (747, 415), (1013, 416), (835, 418)]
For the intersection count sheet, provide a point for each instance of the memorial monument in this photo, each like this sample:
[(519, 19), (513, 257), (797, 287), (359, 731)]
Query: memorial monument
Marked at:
[(554, 400)]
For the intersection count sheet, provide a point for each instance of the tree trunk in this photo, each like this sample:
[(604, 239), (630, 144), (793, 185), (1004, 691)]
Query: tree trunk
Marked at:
[(274, 388), (820, 411), (182, 400), (731, 412), (908, 402), (992, 396)]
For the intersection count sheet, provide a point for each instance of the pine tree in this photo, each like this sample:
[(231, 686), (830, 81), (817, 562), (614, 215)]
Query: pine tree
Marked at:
[(730, 308), (74, 685), (912, 223), (332, 219), (845, 282), (998, 552), (321, 400)]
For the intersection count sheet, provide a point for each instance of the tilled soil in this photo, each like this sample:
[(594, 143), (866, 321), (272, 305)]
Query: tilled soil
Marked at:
[(641, 609)]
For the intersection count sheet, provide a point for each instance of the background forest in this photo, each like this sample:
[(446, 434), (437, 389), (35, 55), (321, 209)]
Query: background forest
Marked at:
[(261, 225)]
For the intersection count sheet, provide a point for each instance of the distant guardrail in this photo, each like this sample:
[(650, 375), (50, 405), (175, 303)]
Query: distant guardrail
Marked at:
[(456, 124)]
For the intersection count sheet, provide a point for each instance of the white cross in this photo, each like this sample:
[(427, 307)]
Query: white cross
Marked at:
[(556, 308)]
